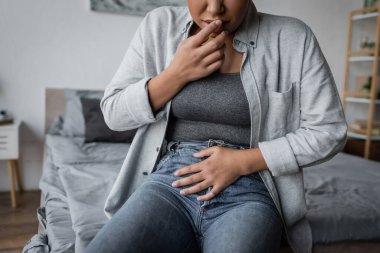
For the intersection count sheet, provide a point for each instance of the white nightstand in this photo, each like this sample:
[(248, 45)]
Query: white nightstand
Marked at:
[(9, 150)]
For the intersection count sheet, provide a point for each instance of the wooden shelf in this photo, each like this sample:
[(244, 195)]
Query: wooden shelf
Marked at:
[(365, 16), (375, 131), (358, 94), (358, 131), (365, 11), (361, 53), (370, 60), (361, 58), (362, 136), (361, 100)]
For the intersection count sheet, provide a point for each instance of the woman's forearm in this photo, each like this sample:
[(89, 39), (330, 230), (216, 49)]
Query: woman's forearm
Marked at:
[(251, 160), (163, 87)]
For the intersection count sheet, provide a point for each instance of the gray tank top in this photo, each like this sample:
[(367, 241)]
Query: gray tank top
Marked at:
[(213, 107)]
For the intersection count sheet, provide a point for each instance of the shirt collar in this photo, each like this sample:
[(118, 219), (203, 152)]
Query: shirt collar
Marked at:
[(247, 32)]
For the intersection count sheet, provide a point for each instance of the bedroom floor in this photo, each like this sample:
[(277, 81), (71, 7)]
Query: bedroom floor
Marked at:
[(18, 225)]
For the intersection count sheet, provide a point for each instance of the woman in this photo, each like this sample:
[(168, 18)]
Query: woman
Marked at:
[(228, 114)]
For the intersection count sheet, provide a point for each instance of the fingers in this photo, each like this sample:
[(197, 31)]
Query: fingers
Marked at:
[(215, 56), (186, 170), (215, 190), (203, 35), (196, 188), (218, 43), (188, 180), (215, 66)]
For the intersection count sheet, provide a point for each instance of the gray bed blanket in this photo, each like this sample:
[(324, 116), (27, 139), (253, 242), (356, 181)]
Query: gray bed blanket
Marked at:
[(87, 172), (76, 179), (343, 200), (58, 235)]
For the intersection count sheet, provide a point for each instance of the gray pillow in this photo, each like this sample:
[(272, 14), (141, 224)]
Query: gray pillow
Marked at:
[(73, 124), (97, 129)]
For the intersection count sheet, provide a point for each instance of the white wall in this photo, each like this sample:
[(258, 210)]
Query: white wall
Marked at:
[(63, 44)]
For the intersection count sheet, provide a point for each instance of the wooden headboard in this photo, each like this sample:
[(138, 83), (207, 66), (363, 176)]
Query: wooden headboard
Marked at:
[(54, 105)]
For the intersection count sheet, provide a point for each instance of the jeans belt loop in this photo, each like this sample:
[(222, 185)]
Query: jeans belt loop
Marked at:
[(212, 142), (173, 146)]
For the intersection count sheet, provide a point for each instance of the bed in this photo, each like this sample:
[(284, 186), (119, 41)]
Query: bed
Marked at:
[(342, 194)]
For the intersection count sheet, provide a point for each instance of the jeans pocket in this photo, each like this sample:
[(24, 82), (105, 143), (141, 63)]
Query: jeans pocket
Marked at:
[(163, 160)]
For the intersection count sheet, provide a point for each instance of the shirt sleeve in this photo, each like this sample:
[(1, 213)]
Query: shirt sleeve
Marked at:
[(125, 104), (323, 127)]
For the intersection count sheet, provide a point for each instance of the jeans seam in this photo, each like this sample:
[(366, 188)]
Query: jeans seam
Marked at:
[(194, 226), (170, 202), (189, 245), (200, 219)]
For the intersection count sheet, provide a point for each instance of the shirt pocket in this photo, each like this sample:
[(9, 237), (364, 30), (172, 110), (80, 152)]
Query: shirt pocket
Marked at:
[(283, 111)]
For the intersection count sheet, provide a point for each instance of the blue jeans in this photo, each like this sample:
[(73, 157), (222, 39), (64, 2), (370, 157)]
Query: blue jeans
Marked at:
[(157, 218)]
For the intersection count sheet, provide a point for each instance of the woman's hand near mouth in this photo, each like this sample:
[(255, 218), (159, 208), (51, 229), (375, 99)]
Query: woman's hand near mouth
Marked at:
[(196, 57), (199, 55)]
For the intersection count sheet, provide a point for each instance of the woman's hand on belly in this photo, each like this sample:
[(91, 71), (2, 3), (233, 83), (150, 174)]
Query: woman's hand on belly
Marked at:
[(222, 167)]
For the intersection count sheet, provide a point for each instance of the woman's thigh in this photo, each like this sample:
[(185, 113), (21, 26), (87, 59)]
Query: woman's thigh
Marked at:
[(151, 220), (247, 227)]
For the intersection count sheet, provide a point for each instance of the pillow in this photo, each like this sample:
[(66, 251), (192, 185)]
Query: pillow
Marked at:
[(56, 126), (96, 129), (73, 123)]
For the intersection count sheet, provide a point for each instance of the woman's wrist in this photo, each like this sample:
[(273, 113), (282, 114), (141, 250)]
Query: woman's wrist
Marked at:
[(162, 88), (176, 76), (251, 161)]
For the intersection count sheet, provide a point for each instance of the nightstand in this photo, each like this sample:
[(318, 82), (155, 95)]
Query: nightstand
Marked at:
[(9, 150)]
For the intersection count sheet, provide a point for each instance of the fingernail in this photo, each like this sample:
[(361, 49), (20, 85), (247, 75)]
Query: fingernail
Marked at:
[(218, 22), (174, 184)]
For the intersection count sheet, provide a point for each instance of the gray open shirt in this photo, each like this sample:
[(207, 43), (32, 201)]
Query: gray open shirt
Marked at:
[(297, 114)]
